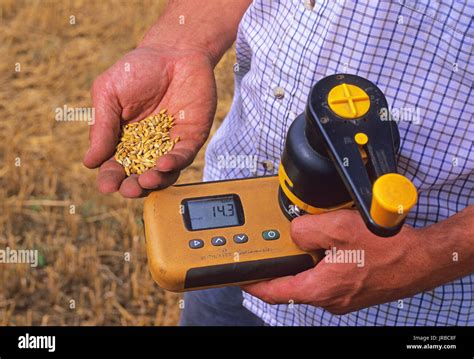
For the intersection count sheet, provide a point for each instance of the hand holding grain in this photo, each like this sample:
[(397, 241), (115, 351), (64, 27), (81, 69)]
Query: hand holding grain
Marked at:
[(140, 84)]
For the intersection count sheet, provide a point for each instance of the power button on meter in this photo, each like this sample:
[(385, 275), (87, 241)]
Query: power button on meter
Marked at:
[(270, 234)]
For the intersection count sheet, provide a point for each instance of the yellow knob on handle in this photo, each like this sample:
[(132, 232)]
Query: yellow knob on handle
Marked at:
[(393, 195)]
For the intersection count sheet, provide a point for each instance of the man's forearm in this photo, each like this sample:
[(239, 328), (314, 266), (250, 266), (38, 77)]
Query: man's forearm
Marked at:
[(210, 25), (449, 246)]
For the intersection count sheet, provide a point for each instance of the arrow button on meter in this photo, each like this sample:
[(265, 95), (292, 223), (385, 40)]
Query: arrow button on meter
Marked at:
[(241, 238), (218, 241), (196, 243)]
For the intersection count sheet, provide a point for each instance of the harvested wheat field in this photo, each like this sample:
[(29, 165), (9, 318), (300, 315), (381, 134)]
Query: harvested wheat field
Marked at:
[(92, 267)]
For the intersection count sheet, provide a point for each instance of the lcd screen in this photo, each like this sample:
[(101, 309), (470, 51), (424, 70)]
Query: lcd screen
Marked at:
[(213, 212)]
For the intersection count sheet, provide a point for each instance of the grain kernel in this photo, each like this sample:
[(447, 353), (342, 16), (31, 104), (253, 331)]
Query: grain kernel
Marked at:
[(143, 142)]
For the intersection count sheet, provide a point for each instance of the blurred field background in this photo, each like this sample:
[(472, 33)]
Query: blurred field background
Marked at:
[(83, 277)]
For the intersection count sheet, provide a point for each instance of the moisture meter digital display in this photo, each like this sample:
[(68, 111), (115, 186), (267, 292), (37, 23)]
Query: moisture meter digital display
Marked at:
[(212, 212)]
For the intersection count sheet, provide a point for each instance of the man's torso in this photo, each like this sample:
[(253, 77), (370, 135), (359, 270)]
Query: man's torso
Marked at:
[(419, 54)]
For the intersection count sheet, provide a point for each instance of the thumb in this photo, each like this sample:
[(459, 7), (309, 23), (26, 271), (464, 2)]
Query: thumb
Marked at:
[(180, 157), (323, 231), (105, 130)]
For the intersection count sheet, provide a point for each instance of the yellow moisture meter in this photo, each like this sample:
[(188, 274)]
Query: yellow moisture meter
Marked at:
[(219, 233), (340, 153)]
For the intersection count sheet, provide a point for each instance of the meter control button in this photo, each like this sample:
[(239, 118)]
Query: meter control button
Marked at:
[(218, 241), (241, 238), (196, 243), (270, 234)]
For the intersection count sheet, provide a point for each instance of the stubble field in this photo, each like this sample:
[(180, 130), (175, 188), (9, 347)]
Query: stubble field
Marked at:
[(92, 266)]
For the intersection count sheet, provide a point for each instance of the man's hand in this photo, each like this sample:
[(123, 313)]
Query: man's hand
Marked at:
[(143, 82), (413, 261), (171, 69)]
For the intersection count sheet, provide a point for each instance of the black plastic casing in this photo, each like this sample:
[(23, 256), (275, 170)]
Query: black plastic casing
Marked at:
[(319, 140), (314, 176)]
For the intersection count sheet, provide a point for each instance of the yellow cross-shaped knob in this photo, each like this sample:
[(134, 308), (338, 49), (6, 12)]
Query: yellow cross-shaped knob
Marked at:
[(348, 101)]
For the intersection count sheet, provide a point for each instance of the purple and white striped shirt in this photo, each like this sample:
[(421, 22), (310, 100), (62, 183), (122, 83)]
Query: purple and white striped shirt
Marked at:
[(420, 54)]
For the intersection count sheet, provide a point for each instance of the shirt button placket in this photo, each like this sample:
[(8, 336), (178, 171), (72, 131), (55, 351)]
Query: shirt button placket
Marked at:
[(277, 93)]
